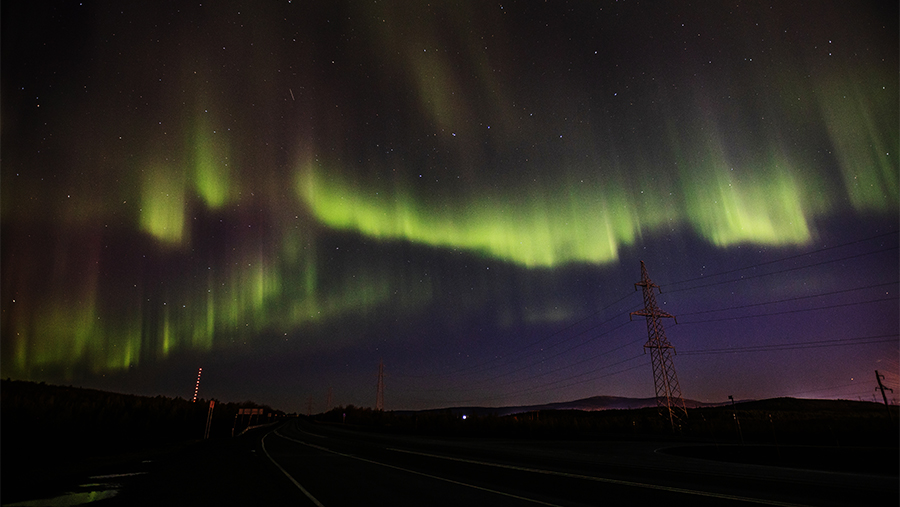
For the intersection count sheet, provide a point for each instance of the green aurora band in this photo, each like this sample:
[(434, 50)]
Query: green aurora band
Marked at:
[(729, 182), (586, 215), (534, 226), (573, 223)]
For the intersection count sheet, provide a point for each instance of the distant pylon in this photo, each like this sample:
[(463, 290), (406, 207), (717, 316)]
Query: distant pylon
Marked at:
[(379, 391), (668, 392), (329, 400), (197, 386)]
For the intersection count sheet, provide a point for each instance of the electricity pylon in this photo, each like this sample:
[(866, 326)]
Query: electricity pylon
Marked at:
[(668, 392), (379, 390)]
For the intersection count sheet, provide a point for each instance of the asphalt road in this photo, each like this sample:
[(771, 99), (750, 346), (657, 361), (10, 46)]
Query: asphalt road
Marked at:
[(299, 463), (331, 465)]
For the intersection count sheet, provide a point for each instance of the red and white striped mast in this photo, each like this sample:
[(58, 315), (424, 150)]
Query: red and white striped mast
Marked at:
[(197, 386)]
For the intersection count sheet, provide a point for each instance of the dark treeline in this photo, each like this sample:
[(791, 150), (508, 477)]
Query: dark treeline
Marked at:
[(783, 421), (45, 426)]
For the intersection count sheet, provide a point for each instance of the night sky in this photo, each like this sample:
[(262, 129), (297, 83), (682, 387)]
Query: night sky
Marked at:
[(286, 193)]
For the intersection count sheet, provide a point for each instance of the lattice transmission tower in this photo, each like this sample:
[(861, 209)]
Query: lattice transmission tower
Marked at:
[(668, 392), (379, 390)]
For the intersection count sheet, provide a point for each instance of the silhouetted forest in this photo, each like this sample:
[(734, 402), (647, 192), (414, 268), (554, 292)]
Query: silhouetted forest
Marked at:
[(834, 435), (54, 429), (787, 421)]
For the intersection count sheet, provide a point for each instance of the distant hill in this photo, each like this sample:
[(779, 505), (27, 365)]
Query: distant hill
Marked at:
[(586, 404), (769, 422)]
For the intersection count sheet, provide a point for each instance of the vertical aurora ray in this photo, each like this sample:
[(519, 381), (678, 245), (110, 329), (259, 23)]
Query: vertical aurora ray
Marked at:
[(211, 170), (205, 329), (857, 113), (68, 336), (262, 293), (166, 341), (162, 204), (731, 202), (448, 139), (577, 223), (761, 211)]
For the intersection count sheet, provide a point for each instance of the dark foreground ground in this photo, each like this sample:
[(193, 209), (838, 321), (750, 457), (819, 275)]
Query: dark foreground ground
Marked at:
[(212, 472), (54, 447), (862, 460), (235, 471), (56, 438)]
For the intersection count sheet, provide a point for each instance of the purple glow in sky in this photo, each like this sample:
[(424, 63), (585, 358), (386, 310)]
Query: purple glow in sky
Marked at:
[(285, 194)]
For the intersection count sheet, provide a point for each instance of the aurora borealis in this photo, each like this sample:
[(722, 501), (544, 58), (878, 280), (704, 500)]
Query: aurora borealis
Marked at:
[(285, 193)]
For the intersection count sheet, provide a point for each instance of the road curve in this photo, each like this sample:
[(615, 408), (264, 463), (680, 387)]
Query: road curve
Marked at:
[(329, 465)]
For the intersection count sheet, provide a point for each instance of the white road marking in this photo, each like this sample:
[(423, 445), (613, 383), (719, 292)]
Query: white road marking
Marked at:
[(285, 472), (114, 476), (607, 480), (451, 481)]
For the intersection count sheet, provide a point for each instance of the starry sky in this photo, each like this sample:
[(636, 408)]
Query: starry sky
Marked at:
[(286, 193)]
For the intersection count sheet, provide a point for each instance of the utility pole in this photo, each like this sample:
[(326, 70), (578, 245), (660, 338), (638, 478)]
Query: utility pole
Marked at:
[(212, 405), (878, 377), (737, 421), (329, 400), (379, 390), (668, 392)]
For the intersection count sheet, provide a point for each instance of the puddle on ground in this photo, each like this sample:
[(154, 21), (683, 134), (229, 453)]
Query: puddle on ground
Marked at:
[(116, 476), (72, 498), (86, 493)]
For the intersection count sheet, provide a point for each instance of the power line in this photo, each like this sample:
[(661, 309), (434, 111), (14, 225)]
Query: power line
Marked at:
[(595, 370), (522, 354), (801, 345), (562, 352), (797, 256), (798, 298), (805, 266), (824, 389), (567, 366), (543, 388), (862, 340), (475, 368), (546, 389), (591, 358), (841, 305)]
